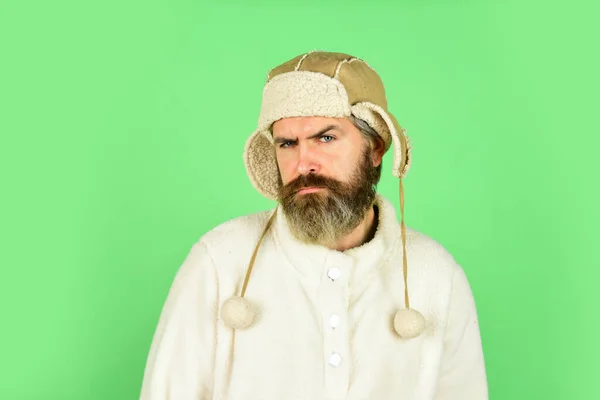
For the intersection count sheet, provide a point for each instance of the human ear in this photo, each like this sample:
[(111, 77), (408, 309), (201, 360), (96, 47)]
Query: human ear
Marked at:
[(377, 150)]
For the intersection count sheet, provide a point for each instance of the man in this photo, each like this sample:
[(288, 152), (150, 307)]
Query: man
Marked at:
[(311, 300)]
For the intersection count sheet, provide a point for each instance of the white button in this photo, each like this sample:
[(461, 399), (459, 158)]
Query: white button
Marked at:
[(334, 273), (335, 359), (334, 320)]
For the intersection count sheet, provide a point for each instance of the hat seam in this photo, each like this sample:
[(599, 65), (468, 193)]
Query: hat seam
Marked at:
[(336, 75), (297, 67)]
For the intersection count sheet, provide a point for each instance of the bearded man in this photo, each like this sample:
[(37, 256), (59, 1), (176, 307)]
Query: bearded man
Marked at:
[(310, 300)]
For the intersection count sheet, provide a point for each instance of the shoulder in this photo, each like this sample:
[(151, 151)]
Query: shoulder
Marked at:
[(238, 227), (235, 236), (430, 254), (438, 278), (423, 250), (423, 243)]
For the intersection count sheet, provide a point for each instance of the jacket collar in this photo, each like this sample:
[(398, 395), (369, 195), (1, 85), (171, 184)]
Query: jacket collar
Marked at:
[(311, 260)]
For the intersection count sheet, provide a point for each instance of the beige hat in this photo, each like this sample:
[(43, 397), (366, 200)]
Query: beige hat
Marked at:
[(321, 84)]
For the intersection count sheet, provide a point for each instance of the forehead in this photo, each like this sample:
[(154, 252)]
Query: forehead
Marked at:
[(301, 126)]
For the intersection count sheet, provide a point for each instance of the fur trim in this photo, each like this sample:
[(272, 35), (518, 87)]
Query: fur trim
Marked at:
[(392, 130), (302, 94), (261, 164)]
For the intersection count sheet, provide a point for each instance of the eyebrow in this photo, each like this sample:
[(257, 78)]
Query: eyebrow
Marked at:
[(315, 135)]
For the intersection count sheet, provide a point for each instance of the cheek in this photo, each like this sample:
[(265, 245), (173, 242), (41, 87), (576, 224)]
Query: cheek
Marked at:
[(285, 168), (339, 164)]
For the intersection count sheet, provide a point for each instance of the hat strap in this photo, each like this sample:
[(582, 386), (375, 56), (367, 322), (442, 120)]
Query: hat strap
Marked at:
[(251, 265), (404, 258)]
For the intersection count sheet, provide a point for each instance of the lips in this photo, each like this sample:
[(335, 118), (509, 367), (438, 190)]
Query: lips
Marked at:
[(309, 189)]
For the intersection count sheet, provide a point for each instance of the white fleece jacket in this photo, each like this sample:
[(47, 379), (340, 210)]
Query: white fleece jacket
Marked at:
[(316, 338)]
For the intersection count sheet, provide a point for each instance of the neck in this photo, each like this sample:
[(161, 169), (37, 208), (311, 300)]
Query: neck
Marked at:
[(364, 232)]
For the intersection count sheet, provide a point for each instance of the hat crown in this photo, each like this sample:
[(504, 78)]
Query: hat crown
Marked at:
[(362, 83)]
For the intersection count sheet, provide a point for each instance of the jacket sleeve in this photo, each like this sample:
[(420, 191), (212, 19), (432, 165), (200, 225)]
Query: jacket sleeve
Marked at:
[(462, 375), (181, 358)]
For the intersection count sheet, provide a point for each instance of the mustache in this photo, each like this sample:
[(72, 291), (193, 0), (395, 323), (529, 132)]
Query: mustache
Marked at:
[(311, 180)]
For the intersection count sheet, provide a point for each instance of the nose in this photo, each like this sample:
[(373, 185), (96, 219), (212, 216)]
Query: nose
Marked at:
[(307, 163)]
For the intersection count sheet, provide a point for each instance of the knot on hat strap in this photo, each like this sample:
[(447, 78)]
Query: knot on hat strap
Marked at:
[(251, 264)]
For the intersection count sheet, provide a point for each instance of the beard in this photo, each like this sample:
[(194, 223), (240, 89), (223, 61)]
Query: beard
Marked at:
[(325, 216)]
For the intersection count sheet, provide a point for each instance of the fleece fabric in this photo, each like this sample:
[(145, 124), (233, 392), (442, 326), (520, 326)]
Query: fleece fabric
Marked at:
[(325, 325)]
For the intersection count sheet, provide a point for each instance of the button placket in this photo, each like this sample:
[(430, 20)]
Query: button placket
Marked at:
[(333, 294)]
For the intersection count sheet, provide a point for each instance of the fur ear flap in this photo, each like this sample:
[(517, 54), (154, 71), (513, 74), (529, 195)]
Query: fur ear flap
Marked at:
[(261, 163), (391, 132)]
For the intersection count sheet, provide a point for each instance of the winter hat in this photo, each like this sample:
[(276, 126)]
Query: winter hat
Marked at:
[(324, 84), (321, 84)]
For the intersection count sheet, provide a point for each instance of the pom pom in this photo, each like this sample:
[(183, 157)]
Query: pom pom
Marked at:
[(409, 323), (237, 313)]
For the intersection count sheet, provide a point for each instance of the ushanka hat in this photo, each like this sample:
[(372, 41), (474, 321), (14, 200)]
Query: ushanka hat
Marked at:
[(323, 84)]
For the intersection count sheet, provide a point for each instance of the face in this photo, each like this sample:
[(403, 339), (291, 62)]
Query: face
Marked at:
[(328, 175)]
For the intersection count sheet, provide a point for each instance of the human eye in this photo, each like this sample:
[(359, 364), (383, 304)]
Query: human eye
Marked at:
[(286, 144), (326, 138)]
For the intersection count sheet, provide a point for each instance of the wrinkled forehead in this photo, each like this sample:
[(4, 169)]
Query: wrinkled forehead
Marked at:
[(306, 126)]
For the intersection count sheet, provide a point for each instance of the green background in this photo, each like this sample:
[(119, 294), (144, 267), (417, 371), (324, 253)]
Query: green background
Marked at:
[(122, 129)]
